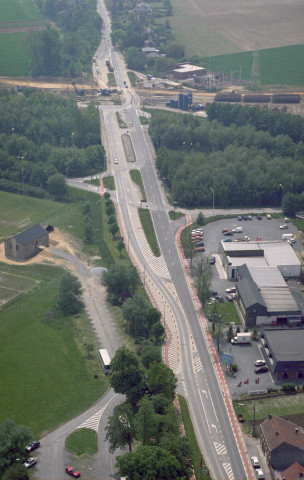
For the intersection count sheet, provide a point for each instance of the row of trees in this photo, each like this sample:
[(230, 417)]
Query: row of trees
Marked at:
[(242, 164), (149, 417), (55, 54), (42, 135)]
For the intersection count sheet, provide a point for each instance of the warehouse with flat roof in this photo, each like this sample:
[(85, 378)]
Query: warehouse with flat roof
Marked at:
[(188, 71)]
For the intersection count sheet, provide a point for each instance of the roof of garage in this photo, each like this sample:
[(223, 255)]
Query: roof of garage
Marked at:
[(279, 299), (280, 253), (267, 276), (286, 343)]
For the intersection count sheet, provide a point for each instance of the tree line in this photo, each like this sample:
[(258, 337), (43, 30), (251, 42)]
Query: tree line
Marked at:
[(244, 154), (70, 54), (42, 135), (147, 416)]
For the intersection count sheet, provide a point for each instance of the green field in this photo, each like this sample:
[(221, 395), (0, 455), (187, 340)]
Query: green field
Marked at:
[(14, 58), (47, 376), (278, 66), (18, 11), (12, 285)]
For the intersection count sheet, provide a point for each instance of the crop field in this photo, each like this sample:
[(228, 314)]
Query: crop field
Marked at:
[(219, 27), (12, 285), (278, 66), (16, 17)]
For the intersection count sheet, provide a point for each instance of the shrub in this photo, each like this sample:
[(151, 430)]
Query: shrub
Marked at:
[(234, 368), (288, 387)]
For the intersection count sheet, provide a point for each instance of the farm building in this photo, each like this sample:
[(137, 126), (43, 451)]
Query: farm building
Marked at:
[(283, 349), (27, 244), (188, 71), (282, 442)]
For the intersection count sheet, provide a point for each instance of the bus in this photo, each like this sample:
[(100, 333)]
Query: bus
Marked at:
[(105, 359)]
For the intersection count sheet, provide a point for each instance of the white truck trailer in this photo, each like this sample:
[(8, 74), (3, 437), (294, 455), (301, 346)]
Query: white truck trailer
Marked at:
[(241, 338)]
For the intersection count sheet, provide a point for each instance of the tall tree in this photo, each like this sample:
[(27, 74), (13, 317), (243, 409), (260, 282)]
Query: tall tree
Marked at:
[(13, 439), (146, 421), (127, 375), (68, 297), (119, 279), (121, 428), (203, 280), (161, 379)]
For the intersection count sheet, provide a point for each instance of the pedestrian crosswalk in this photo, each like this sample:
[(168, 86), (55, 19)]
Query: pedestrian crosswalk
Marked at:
[(93, 421)]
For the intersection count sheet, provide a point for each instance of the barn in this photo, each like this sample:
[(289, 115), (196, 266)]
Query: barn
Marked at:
[(26, 244)]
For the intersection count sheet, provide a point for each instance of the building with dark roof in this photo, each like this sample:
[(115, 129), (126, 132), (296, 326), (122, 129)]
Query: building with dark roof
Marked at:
[(282, 442), (26, 244), (283, 349)]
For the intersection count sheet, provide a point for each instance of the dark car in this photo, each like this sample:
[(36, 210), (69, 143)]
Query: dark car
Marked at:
[(245, 217), (199, 244), (32, 446), (259, 217), (228, 234), (73, 472), (211, 260), (261, 370), (229, 298), (240, 218)]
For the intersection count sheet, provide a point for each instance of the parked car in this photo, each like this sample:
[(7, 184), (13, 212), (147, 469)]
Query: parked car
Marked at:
[(73, 472), (263, 369), (228, 234), (225, 230), (200, 249), (199, 244), (30, 462), (259, 239), (249, 217), (116, 161), (259, 363), (32, 446), (229, 298), (291, 241), (231, 290), (240, 218), (255, 462), (283, 227), (260, 474), (227, 240), (211, 260), (245, 217), (268, 216), (259, 217)]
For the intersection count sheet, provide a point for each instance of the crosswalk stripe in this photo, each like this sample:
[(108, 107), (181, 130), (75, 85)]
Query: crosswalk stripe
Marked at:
[(228, 470), (220, 448), (93, 421)]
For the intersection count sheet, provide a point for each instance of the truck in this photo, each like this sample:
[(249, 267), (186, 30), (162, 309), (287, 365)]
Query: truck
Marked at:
[(244, 337), (287, 236)]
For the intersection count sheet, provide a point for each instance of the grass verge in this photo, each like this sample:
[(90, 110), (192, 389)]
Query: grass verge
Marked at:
[(196, 453), (109, 182), (132, 78), (144, 120), (121, 123), (147, 225), (136, 178), (82, 441), (111, 80)]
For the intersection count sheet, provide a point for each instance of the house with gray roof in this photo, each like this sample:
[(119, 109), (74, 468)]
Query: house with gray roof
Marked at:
[(26, 244)]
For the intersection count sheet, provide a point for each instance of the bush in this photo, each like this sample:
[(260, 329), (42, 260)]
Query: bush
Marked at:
[(234, 368), (288, 387)]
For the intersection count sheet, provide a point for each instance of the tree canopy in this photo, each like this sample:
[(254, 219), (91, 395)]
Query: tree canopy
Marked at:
[(68, 298), (120, 279), (13, 439)]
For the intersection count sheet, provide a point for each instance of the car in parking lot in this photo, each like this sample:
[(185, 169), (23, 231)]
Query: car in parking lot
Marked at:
[(229, 298), (211, 260), (32, 446), (73, 472), (255, 462), (249, 217), (283, 227), (200, 249), (199, 244), (225, 230), (259, 363), (268, 216), (245, 217), (240, 218), (231, 290), (259, 239), (116, 161), (291, 241), (227, 240), (259, 217), (30, 462), (263, 369), (228, 233)]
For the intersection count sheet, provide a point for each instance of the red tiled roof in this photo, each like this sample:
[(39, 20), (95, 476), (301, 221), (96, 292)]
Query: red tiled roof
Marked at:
[(276, 431), (294, 472)]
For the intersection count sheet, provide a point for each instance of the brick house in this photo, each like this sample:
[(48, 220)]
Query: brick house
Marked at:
[(282, 442)]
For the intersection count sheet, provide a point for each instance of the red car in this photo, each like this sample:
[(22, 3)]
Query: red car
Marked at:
[(225, 230), (73, 472), (200, 249)]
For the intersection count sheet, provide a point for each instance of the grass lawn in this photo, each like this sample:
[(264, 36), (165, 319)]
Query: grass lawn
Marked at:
[(82, 441), (47, 361), (109, 182), (14, 58), (132, 78), (136, 178), (226, 309)]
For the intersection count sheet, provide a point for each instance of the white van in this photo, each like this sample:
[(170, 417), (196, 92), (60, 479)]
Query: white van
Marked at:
[(238, 230), (287, 236)]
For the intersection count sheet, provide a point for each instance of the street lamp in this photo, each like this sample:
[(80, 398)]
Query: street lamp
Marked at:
[(282, 194), (212, 199)]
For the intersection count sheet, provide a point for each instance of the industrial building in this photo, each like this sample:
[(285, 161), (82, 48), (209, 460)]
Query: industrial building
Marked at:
[(260, 270), (283, 349), (186, 71)]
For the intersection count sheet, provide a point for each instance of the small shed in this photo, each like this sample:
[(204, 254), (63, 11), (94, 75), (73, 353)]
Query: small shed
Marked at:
[(27, 244)]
